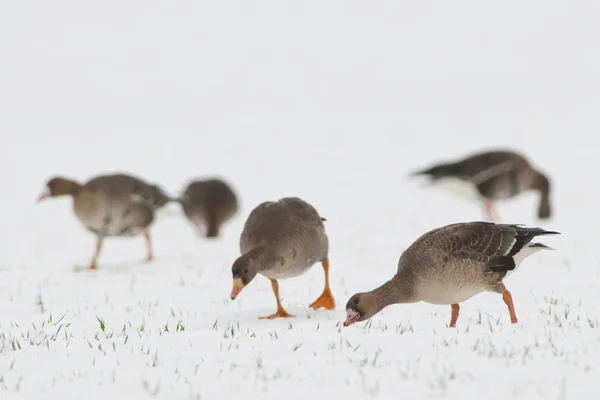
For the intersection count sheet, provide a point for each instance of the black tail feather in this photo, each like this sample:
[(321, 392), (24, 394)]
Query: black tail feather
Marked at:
[(213, 231), (214, 226), (526, 235), (437, 171), (541, 246), (543, 232)]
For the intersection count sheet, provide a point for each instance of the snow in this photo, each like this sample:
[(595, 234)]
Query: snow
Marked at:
[(335, 102)]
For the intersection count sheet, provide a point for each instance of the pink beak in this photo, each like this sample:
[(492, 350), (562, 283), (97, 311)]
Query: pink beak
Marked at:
[(351, 317), (41, 197)]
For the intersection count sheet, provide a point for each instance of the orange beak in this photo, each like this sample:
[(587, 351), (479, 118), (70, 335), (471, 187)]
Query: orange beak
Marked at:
[(238, 285)]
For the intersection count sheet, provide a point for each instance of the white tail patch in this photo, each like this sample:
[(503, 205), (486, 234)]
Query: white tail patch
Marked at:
[(201, 230), (529, 249), (457, 187), (167, 211), (199, 226)]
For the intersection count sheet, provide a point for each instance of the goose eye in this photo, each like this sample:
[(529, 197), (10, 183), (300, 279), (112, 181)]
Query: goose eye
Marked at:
[(355, 302), (246, 271)]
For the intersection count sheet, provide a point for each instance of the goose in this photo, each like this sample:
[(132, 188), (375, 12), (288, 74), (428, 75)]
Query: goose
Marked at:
[(282, 239), (111, 205), (491, 176), (208, 204), (451, 264)]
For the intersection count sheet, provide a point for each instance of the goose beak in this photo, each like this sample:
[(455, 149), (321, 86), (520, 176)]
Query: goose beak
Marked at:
[(41, 197), (351, 317), (238, 285)]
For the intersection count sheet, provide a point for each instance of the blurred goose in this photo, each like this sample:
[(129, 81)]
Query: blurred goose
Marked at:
[(208, 204), (489, 177), (282, 239), (111, 205), (451, 264)]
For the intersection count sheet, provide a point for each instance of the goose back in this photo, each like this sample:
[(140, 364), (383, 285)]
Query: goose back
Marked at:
[(209, 203), (290, 227), (452, 263), (124, 185), (110, 214), (494, 174)]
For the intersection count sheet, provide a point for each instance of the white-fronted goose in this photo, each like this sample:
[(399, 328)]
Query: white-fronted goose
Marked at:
[(111, 205), (451, 264), (208, 204), (492, 176), (281, 240)]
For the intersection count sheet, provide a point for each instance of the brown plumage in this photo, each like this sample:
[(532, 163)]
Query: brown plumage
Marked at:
[(208, 204), (451, 264), (280, 240), (111, 205), (492, 176)]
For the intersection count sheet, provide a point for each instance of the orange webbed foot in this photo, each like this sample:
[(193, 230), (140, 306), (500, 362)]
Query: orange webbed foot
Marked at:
[(281, 313), (325, 301)]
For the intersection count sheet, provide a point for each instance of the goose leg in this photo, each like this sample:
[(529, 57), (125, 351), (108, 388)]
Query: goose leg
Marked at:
[(455, 310), (94, 263), (490, 210), (150, 257), (281, 313), (326, 299), (507, 297)]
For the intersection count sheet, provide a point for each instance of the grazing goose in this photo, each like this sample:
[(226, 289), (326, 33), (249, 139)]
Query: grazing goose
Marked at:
[(281, 240), (451, 264), (111, 205), (492, 176), (208, 204)]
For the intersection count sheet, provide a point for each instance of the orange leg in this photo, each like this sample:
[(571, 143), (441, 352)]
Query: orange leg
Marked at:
[(148, 245), (490, 210), (281, 313), (94, 263), (506, 296), (455, 310), (326, 299)]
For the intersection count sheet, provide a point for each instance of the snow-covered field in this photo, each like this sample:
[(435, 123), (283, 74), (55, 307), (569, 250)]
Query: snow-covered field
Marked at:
[(334, 102)]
